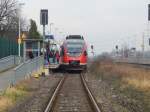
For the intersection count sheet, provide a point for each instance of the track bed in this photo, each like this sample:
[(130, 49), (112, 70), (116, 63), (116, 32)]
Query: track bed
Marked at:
[(72, 96)]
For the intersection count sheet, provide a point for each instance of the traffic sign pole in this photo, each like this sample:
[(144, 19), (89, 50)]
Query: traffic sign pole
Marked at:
[(44, 21)]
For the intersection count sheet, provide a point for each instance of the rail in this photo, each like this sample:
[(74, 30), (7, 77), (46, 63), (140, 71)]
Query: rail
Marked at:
[(51, 102), (91, 97), (87, 90)]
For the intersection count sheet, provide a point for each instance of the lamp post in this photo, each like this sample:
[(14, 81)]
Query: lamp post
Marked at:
[(51, 27), (61, 35), (19, 36), (56, 30)]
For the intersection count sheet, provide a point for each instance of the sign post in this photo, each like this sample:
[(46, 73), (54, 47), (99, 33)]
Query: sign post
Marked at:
[(44, 21)]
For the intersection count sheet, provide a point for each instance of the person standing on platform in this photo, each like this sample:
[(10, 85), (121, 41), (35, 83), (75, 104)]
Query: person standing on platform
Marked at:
[(57, 57)]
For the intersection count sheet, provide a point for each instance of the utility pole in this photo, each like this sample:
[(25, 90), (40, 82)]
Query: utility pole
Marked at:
[(143, 43), (19, 36), (148, 27), (44, 21), (117, 51), (56, 30)]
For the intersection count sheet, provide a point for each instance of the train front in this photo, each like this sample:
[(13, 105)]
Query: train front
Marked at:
[(74, 55)]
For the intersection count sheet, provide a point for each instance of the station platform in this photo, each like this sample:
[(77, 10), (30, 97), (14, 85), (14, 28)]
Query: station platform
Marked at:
[(52, 66), (6, 78)]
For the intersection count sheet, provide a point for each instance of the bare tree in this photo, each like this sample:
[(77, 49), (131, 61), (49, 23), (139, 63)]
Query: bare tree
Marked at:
[(7, 10), (8, 15)]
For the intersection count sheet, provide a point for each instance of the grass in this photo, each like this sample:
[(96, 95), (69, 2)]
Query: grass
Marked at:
[(131, 81), (5, 103), (137, 77), (11, 95)]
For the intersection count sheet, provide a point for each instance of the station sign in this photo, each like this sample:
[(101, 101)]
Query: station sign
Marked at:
[(23, 36), (49, 37), (44, 17)]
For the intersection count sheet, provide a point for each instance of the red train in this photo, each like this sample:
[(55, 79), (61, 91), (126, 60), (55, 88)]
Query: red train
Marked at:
[(74, 53)]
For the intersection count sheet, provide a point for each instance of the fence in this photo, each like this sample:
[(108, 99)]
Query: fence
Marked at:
[(9, 62), (20, 72), (9, 47)]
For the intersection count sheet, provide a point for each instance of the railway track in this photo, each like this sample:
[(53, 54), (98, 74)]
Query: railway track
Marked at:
[(72, 95), (145, 66)]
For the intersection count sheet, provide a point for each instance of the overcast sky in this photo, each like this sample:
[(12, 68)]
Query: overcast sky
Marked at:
[(104, 23)]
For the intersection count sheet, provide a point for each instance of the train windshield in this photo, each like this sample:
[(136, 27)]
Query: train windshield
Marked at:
[(53, 47), (74, 47)]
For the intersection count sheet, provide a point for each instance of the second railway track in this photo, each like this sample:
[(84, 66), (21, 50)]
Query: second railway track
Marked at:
[(72, 95)]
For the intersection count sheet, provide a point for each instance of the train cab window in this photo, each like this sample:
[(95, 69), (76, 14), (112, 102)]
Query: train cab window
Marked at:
[(74, 47)]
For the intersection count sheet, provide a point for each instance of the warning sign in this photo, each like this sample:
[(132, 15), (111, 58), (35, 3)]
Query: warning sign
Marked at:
[(19, 40)]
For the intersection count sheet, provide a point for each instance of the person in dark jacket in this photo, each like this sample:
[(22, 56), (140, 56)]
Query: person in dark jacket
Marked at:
[(31, 55), (57, 56)]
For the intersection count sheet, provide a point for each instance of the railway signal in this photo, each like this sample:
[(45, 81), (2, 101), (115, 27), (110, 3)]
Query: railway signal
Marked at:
[(149, 41), (116, 47), (92, 48)]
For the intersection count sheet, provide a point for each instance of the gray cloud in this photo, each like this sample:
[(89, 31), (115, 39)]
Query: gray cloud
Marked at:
[(104, 23)]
